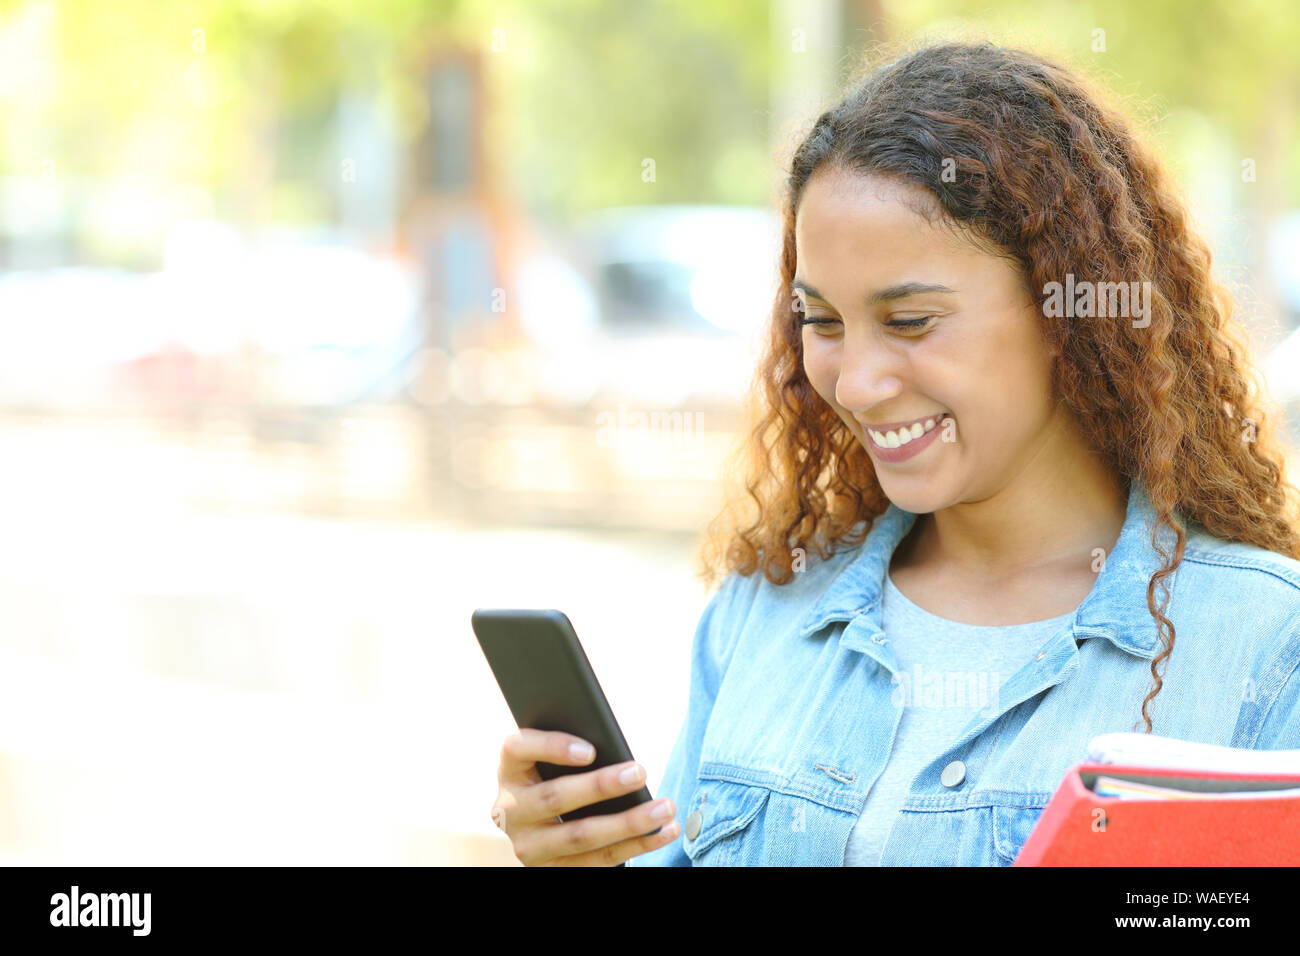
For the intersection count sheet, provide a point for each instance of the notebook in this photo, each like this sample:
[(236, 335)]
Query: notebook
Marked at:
[(1144, 800)]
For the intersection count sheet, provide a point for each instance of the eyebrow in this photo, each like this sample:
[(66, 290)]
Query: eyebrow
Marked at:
[(888, 294)]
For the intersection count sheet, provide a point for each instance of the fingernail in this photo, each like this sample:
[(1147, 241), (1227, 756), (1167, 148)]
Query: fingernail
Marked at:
[(631, 775), (581, 751)]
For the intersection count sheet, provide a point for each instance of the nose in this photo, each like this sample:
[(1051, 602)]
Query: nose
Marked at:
[(870, 373)]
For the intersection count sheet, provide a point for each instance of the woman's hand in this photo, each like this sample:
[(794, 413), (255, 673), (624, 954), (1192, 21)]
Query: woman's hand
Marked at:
[(527, 807)]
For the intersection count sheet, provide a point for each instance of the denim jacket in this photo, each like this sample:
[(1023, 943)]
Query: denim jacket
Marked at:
[(791, 715)]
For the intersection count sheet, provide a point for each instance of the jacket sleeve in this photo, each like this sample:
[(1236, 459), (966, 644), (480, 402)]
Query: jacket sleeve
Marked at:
[(715, 637), (1281, 727)]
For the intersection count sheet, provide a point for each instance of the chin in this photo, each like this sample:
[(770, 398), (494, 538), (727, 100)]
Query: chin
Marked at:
[(918, 496)]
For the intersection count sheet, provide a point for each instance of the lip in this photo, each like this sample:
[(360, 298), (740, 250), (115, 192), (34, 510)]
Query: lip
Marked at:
[(912, 448)]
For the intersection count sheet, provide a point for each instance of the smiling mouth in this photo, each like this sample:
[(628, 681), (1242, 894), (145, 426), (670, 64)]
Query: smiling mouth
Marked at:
[(898, 437)]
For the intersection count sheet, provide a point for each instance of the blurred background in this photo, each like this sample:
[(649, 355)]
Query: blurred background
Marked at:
[(326, 323)]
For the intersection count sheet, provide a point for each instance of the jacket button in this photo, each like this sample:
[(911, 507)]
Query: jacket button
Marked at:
[(953, 774), (693, 824)]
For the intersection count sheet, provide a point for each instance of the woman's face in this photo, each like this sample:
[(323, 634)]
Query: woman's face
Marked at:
[(971, 357)]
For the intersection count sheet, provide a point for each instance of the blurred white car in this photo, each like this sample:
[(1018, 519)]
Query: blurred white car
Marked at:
[(329, 324), (653, 304)]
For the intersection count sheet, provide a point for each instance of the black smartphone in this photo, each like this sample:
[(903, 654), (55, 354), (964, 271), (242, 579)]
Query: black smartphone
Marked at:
[(549, 684)]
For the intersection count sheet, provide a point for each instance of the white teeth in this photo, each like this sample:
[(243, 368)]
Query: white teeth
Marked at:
[(901, 436)]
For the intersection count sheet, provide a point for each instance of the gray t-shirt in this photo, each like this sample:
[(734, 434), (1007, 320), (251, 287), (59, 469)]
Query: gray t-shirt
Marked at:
[(948, 672)]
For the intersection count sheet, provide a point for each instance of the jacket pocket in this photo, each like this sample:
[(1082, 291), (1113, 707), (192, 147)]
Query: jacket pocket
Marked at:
[(725, 809), (1011, 828)]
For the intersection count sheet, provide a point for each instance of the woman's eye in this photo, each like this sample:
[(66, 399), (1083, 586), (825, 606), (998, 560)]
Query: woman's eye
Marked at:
[(911, 324), (818, 320)]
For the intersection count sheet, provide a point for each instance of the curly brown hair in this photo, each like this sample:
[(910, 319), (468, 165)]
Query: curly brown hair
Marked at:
[(1051, 174)]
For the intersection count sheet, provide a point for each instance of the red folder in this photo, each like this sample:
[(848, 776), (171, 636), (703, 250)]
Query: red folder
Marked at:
[(1226, 831)]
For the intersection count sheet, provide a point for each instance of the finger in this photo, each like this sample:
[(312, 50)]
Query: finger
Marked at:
[(522, 750), (546, 800), (592, 838), (620, 852)]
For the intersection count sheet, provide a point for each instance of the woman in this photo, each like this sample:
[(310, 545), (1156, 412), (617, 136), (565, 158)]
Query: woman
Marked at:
[(1002, 406)]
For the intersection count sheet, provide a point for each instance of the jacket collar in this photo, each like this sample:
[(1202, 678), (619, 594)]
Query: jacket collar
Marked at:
[(1115, 608)]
